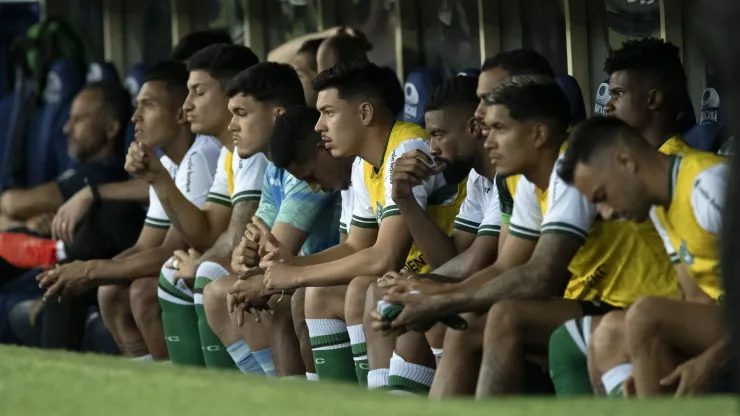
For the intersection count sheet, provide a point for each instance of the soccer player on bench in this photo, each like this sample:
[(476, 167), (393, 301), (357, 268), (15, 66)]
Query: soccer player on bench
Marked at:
[(357, 119), (295, 218), (648, 90), (127, 298), (568, 274), (670, 345), (231, 201)]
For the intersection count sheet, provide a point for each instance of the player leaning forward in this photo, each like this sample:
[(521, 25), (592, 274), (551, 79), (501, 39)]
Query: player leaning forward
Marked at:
[(684, 196)]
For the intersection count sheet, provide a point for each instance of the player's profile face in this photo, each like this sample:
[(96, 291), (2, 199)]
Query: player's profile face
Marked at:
[(251, 126), (452, 141), (206, 106), (486, 81), (509, 141), (86, 126), (340, 123), (629, 101), (155, 118), (616, 193)]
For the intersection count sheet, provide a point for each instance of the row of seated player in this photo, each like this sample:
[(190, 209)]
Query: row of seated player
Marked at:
[(482, 215), (95, 137)]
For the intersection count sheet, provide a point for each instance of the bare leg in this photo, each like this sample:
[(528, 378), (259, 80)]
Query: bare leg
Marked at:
[(148, 315), (284, 344), (115, 310), (217, 313), (379, 346), (660, 331), (607, 349), (515, 328), (461, 358), (298, 308)]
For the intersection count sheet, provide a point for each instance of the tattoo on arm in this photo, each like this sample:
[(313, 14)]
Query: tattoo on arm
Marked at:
[(241, 215), (545, 275)]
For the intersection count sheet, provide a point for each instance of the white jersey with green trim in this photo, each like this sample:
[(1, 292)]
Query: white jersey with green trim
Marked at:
[(193, 178), (480, 213)]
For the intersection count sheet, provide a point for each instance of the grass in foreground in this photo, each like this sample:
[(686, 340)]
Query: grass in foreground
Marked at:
[(34, 382)]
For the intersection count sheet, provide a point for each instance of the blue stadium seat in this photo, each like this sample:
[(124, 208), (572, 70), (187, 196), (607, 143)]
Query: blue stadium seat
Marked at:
[(47, 147), (707, 135), (602, 97), (572, 90), (469, 72), (10, 109), (102, 72), (133, 83), (419, 86)]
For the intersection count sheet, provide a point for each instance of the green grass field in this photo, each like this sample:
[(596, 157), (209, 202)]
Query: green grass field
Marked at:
[(34, 382)]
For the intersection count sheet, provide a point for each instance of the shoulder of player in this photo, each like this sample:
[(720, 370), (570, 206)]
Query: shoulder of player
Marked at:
[(708, 190)]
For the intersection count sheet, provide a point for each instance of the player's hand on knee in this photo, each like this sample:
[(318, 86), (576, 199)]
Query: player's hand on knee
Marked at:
[(237, 258), (692, 377), (409, 281), (185, 263)]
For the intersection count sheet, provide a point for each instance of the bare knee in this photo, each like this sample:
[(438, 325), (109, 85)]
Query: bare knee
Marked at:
[(325, 302), (470, 340), (214, 298), (503, 319), (607, 343), (354, 303), (112, 299), (641, 319), (143, 297)]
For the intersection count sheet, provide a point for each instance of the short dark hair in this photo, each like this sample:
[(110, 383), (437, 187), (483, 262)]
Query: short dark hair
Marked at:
[(655, 58), (348, 48), (117, 102), (195, 41), (223, 61), (311, 48), (294, 139), (520, 62), (457, 92), (531, 97), (591, 137), (357, 79), (174, 74), (269, 82)]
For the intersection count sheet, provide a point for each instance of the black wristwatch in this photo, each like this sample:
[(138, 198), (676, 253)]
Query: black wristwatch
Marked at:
[(94, 190)]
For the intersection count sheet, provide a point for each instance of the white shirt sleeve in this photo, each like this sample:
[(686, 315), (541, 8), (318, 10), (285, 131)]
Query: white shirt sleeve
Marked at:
[(195, 178), (664, 236), (249, 175), (470, 216), (345, 218), (362, 209), (421, 192), (708, 197), (491, 225), (219, 192), (526, 220), (156, 215), (568, 211)]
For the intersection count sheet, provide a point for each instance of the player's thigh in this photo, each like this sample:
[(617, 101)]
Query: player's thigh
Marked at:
[(534, 320), (688, 327)]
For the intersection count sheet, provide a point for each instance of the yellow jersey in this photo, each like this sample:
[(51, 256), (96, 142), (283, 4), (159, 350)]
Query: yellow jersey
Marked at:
[(690, 225), (619, 262), (372, 190)]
